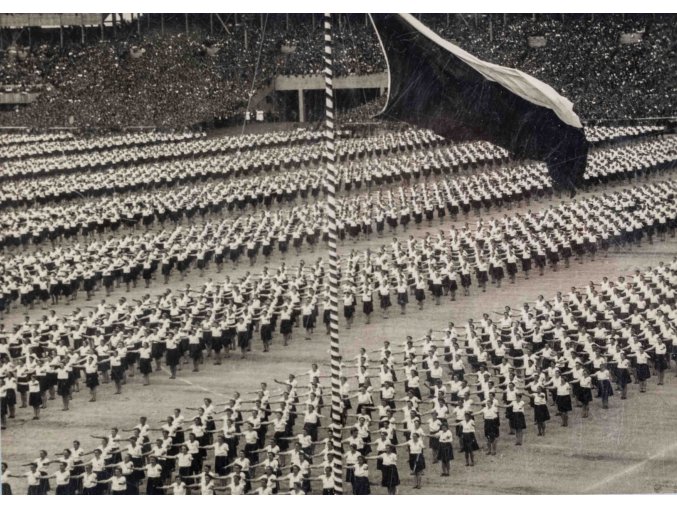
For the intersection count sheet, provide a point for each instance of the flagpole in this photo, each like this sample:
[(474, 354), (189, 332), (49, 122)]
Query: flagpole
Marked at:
[(332, 181)]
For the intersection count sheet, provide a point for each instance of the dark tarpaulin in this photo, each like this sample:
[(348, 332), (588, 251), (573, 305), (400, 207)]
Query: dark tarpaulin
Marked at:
[(463, 98)]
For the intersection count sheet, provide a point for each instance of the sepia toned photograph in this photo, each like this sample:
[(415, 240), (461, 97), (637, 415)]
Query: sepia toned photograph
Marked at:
[(338, 253)]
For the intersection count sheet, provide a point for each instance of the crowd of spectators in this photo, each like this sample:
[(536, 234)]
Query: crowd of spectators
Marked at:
[(170, 83), (175, 80), (356, 50), (583, 58)]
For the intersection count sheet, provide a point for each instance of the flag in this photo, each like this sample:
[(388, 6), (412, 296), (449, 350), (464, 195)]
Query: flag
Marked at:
[(434, 84)]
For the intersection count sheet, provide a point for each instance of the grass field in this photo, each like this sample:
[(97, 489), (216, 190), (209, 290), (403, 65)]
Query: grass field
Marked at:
[(630, 448)]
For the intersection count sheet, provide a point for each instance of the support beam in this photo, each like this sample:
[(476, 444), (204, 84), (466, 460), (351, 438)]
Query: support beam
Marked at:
[(138, 25), (225, 27), (302, 107), (211, 24), (463, 19), (186, 16), (103, 18), (162, 24)]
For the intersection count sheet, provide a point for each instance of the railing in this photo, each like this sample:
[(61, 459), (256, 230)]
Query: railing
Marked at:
[(316, 82), (17, 97), (21, 20)]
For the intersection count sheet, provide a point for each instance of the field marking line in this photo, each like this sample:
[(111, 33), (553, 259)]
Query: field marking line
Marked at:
[(630, 469), (192, 384)]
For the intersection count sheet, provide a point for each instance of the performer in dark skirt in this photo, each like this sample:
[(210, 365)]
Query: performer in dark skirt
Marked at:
[(90, 485), (518, 420), (172, 355), (491, 424), (416, 458), (145, 362), (445, 451), (63, 480), (604, 389), (642, 367), (117, 371), (367, 303), (34, 396), (327, 479), (361, 484), (563, 397), (468, 440), (623, 377), (390, 476), (33, 478), (402, 296), (585, 392), (661, 360), (541, 412), (153, 472)]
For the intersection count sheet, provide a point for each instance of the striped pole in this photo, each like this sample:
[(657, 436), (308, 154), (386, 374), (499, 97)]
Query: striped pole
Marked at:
[(332, 180)]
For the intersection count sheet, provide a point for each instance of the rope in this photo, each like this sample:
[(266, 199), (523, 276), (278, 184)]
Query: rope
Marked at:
[(256, 71)]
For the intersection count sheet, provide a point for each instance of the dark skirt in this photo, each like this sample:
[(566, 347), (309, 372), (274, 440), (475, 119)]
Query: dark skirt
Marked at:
[(445, 452), (624, 377), (195, 351), (604, 389), (361, 486), (491, 429), (564, 403), (152, 486), (145, 366), (416, 462), (63, 387), (643, 372), (661, 362), (116, 373), (172, 357), (63, 489), (469, 442), (541, 413), (518, 421), (585, 395), (35, 399), (286, 326), (390, 476)]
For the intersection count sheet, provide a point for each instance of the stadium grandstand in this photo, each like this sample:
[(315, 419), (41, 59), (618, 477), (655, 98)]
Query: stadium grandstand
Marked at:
[(229, 264), (177, 71)]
